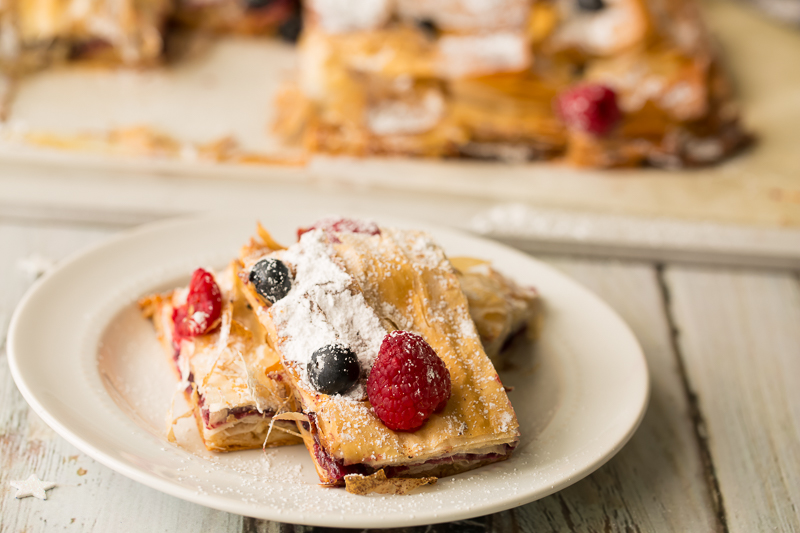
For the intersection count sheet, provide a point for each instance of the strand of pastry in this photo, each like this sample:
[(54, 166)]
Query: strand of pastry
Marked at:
[(222, 342), (281, 416), (171, 421)]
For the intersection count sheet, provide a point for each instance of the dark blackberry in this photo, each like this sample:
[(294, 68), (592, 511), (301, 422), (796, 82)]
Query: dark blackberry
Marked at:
[(290, 29), (428, 27), (257, 4), (271, 279), (591, 5), (333, 369)]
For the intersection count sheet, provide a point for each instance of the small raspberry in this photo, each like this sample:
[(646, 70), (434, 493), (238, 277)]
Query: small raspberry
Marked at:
[(201, 312), (408, 382), (342, 225), (589, 108)]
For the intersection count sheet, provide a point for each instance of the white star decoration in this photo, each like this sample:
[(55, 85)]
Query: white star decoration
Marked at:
[(32, 486)]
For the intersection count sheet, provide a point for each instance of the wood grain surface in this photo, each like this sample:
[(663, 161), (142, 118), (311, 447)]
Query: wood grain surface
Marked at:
[(657, 481), (125, 197), (717, 450), (739, 333)]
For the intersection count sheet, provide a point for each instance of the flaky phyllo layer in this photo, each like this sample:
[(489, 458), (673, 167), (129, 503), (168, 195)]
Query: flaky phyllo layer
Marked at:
[(394, 280), (232, 379)]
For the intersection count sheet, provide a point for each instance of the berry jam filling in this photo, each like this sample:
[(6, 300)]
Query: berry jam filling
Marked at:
[(394, 471), (237, 412), (342, 225), (335, 469)]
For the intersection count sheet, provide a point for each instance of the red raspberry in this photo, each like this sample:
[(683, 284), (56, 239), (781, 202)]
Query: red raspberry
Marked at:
[(408, 382), (200, 314), (589, 108), (342, 225)]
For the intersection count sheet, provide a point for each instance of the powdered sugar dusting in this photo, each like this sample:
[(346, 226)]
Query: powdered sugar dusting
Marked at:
[(398, 117), (340, 16), (200, 320), (35, 265), (618, 25), (324, 307), (427, 252), (474, 55), (505, 421), (393, 313), (467, 15)]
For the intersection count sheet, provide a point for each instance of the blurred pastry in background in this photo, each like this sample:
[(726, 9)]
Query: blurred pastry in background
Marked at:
[(597, 83), (37, 33), (248, 17)]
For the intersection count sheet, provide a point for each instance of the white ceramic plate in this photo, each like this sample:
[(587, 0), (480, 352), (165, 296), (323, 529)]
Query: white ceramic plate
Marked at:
[(90, 366)]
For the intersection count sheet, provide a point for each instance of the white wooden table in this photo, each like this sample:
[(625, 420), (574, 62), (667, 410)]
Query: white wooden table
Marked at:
[(719, 448)]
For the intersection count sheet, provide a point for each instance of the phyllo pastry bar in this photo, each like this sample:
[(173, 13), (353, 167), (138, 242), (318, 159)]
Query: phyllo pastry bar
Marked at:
[(36, 33), (338, 306), (597, 83), (231, 378), (500, 307)]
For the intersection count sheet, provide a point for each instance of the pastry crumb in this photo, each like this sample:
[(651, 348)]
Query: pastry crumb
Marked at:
[(380, 484)]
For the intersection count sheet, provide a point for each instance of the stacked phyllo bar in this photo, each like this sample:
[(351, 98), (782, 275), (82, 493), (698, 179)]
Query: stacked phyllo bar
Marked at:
[(232, 380), (36, 33), (596, 82), (500, 308), (375, 335), (360, 339)]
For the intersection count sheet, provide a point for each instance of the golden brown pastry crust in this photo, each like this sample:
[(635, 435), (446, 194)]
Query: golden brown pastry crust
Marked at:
[(499, 306), (409, 283)]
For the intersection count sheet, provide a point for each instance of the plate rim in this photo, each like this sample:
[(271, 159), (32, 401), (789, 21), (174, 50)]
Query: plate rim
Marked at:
[(174, 488)]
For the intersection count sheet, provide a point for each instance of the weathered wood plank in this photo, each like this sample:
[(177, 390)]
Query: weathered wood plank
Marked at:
[(656, 483), (739, 334), (483, 524), (90, 497)]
